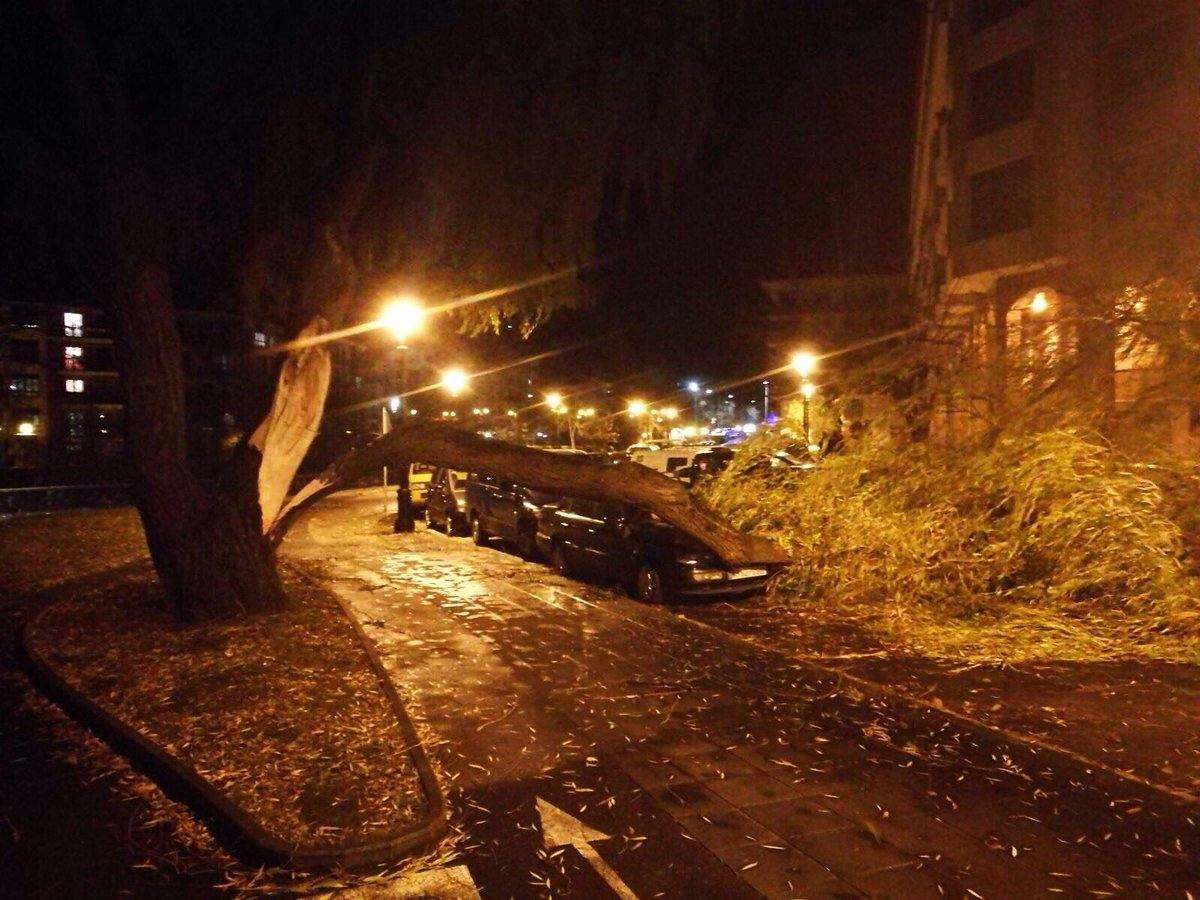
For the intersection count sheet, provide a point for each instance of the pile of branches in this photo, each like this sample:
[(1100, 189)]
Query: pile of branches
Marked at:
[(1044, 545)]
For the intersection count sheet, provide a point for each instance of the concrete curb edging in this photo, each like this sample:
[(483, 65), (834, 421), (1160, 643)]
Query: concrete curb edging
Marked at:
[(232, 825)]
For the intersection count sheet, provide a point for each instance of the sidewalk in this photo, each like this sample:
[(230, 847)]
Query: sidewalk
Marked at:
[(1140, 719)]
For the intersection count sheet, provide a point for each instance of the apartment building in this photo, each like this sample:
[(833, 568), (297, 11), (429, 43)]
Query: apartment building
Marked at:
[(60, 400), (1040, 124)]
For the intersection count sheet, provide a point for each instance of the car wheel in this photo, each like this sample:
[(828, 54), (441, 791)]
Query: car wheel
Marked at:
[(457, 525), (649, 588), (559, 562), (429, 523), (527, 544), (478, 533)]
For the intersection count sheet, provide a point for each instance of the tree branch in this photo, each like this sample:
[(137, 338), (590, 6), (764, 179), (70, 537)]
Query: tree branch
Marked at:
[(577, 476)]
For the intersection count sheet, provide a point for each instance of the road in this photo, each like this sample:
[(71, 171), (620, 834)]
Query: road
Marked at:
[(594, 746)]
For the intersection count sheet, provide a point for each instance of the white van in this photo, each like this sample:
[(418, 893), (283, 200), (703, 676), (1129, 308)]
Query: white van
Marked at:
[(666, 459)]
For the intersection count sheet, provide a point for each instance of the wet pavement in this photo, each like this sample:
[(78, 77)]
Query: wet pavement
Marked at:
[(595, 746)]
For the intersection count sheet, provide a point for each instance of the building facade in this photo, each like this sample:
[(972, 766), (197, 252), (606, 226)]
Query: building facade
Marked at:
[(1040, 124)]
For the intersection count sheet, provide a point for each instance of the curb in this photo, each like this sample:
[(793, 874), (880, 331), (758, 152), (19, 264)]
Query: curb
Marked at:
[(231, 825)]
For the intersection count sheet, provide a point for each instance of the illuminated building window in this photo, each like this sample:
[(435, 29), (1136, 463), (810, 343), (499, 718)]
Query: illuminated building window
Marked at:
[(260, 339), (74, 385), (25, 384), (76, 431), (73, 324), (73, 357)]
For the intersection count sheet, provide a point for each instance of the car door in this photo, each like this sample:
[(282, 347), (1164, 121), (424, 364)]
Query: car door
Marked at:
[(615, 551), (579, 523)]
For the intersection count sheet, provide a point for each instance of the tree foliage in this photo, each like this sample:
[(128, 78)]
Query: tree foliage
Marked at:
[(1050, 545)]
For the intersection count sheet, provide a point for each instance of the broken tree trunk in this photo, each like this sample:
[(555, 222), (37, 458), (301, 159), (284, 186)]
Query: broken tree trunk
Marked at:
[(576, 476), (284, 436)]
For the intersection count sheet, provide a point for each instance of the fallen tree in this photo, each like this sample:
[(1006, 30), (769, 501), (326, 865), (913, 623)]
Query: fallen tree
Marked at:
[(628, 482)]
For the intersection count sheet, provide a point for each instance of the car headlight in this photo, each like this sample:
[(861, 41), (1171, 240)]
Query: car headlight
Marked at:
[(706, 574)]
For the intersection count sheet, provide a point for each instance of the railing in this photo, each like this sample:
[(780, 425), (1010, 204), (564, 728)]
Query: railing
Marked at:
[(61, 496)]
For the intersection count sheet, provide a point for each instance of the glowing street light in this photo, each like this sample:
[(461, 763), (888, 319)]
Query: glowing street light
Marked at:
[(804, 363), (554, 400), (1039, 304), (25, 429), (637, 408), (404, 316), (670, 412), (808, 389), (455, 380), (693, 387)]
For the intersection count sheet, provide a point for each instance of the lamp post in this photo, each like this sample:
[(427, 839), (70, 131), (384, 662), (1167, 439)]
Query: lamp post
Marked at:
[(694, 389), (404, 317), (637, 409), (806, 391), (805, 363)]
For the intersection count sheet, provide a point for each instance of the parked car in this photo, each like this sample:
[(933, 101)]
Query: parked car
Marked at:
[(651, 559), (446, 502), (667, 459), (712, 461), (419, 475), (496, 507)]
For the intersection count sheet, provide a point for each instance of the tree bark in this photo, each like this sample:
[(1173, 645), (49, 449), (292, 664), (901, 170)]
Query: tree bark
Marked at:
[(577, 476)]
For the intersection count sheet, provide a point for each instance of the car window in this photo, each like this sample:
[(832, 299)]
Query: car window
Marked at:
[(674, 462)]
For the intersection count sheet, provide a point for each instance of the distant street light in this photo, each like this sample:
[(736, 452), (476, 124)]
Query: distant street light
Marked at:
[(25, 429), (404, 316), (554, 400), (694, 389), (1039, 304), (454, 381)]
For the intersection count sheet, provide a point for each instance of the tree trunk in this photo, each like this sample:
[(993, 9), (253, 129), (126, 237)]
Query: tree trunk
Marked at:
[(576, 476), (206, 543)]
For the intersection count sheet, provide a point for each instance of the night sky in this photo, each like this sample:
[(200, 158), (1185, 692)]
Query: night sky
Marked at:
[(804, 171)]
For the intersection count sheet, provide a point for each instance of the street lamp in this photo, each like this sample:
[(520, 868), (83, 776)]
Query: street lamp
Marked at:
[(637, 409), (404, 316), (454, 381), (804, 362), (1039, 304), (694, 389)]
